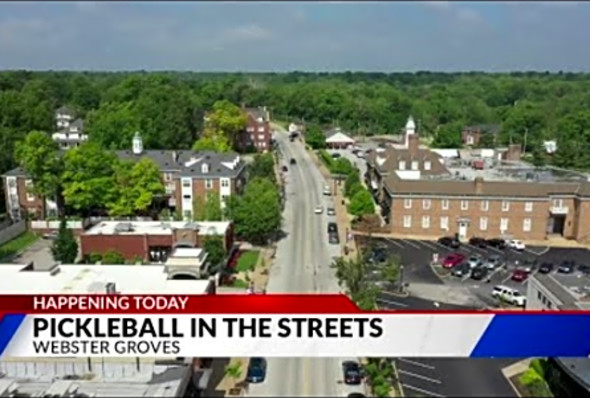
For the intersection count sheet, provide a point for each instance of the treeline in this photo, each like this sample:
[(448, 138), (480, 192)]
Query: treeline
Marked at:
[(168, 107)]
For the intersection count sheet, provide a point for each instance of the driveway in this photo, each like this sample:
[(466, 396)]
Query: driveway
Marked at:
[(39, 252)]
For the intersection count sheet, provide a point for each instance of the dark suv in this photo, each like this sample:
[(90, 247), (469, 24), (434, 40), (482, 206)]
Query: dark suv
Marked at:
[(497, 243), (478, 242), (332, 228), (449, 242)]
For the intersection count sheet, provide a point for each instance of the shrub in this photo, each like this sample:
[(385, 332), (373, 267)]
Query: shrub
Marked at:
[(95, 258)]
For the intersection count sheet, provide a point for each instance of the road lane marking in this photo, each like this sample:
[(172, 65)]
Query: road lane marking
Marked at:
[(544, 251), (414, 245), (421, 390), (495, 249), (422, 377), (478, 248), (423, 365), (395, 243), (389, 302), (429, 245)]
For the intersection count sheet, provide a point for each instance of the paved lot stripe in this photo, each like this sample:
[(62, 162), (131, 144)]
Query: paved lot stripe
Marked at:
[(389, 302), (495, 249), (484, 251), (422, 391), (429, 245), (422, 377), (408, 242), (420, 364), (393, 242)]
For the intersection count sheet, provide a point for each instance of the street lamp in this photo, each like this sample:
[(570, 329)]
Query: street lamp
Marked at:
[(401, 278)]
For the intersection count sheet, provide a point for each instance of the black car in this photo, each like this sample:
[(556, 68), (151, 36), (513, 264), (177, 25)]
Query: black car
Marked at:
[(352, 373), (332, 228), (478, 242), (546, 268), (293, 161), (333, 238), (379, 255), (497, 243), (478, 273), (567, 267), (336, 155), (256, 370), (461, 270), (355, 395), (285, 169), (449, 242), (585, 269)]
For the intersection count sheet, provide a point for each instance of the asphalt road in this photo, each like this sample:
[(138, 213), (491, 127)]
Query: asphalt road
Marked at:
[(444, 377), (302, 265)]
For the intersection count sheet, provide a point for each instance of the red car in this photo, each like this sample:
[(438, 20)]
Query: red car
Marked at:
[(452, 260), (520, 275)]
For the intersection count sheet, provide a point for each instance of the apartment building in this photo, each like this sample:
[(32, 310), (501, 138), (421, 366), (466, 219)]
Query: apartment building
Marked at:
[(422, 194), (258, 133), (70, 130), (186, 175), (473, 135)]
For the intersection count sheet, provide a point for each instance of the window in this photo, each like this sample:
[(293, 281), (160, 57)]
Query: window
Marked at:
[(528, 206), (225, 182), (261, 129), (426, 204), (414, 165), (407, 203), (464, 205), (205, 168), (261, 137), (402, 165), (186, 182), (469, 140), (483, 224), (549, 305), (505, 205), (208, 183), (445, 204), (539, 296), (425, 222), (250, 129), (186, 196), (407, 221), (503, 224), (526, 225), (427, 165), (444, 223), (167, 177), (263, 144), (29, 190), (485, 205), (558, 203)]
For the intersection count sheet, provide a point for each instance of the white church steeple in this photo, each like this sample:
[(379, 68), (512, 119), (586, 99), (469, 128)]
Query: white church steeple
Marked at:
[(137, 144), (410, 130)]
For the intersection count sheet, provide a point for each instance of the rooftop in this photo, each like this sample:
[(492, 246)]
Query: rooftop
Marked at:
[(573, 290), (84, 279), (579, 368), (157, 227)]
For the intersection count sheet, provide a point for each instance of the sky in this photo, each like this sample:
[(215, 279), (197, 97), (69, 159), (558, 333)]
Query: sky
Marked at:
[(304, 36)]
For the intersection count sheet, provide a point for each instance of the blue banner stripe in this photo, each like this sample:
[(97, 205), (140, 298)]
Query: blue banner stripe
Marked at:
[(8, 327), (534, 335)]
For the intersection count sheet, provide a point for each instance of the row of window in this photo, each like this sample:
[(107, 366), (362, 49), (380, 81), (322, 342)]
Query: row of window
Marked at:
[(414, 165), (485, 204), (251, 129), (483, 223), (546, 302), (208, 183)]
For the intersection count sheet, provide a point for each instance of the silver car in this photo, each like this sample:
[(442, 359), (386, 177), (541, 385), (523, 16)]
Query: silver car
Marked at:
[(474, 261), (493, 262)]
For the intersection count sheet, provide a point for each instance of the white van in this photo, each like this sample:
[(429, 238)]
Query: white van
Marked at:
[(509, 295), (327, 190)]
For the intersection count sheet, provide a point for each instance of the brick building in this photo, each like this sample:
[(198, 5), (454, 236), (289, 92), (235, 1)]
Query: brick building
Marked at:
[(186, 175), (258, 133), (151, 240), (472, 135), (436, 197), (70, 130)]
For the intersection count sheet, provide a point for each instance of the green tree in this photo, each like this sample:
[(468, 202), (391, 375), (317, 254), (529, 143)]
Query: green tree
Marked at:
[(314, 137), (448, 136), (361, 204), (65, 246), (113, 125), (213, 210), (351, 275), (199, 208), (227, 119), (38, 155), (136, 187), (88, 176), (343, 166), (263, 166), (214, 246), (212, 141), (112, 257), (352, 184), (257, 215)]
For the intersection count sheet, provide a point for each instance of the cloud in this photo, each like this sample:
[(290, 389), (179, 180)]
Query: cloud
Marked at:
[(17, 32), (468, 15), (246, 33)]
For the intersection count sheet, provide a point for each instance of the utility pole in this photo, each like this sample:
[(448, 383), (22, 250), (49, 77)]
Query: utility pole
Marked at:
[(526, 133), (401, 278)]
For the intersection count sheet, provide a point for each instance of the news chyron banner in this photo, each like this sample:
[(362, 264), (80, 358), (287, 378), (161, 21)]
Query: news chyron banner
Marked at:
[(274, 326)]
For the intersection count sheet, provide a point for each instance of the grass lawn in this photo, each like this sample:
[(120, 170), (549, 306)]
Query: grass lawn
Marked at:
[(18, 244), (247, 261), (240, 283)]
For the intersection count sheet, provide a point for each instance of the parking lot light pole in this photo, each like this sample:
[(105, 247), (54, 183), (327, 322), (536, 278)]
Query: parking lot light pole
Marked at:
[(401, 278)]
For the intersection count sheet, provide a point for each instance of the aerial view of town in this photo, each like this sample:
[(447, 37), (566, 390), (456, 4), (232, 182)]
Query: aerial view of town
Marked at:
[(413, 156)]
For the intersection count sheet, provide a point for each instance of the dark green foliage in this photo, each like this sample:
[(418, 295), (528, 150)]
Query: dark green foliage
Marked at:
[(314, 137), (214, 246), (65, 246), (113, 257), (263, 166)]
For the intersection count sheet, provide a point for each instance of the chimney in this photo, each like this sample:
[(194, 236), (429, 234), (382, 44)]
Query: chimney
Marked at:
[(478, 185), (413, 145), (174, 157)]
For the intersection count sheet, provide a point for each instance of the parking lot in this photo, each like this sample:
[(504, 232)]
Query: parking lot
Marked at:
[(416, 256)]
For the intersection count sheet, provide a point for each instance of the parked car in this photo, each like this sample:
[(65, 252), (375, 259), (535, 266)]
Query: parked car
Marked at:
[(546, 268), (493, 262), (285, 169), (449, 241), (453, 260), (330, 211), (256, 372), (497, 243), (516, 244), (333, 239), (355, 395), (293, 161), (335, 155), (519, 275), (566, 267), (474, 261), (478, 242), (327, 191), (529, 266), (585, 269), (479, 273), (509, 295), (332, 228), (352, 373), (378, 255), (319, 209), (461, 270)]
